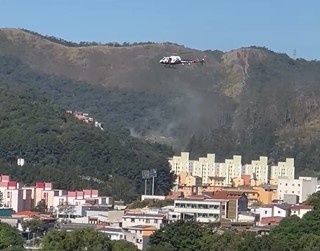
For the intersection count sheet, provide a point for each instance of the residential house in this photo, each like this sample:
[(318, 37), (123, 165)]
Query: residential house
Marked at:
[(153, 218), (301, 210)]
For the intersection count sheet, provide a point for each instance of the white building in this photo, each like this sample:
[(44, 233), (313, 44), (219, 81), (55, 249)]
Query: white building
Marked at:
[(258, 169), (204, 210), (204, 167), (266, 211), (148, 218), (301, 210), (180, 163), (284, 170), (303, 187)]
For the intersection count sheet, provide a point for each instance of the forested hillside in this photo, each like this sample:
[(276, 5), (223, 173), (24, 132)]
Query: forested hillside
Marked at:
[(59, 148), (249, 101)]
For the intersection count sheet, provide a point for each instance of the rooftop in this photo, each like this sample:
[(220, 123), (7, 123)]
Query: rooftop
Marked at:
[(299, 207), (143, 227)]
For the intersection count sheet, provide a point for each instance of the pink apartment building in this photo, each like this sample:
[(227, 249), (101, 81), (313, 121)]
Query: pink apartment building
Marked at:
[(26, 197)]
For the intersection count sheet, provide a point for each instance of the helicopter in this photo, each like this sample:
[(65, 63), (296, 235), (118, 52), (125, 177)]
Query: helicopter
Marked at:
[(172, 61)]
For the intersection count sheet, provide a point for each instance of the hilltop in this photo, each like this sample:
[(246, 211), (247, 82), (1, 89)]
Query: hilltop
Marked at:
[(59, 148), (248, 101)]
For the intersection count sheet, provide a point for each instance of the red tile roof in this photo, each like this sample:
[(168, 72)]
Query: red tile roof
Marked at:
[(299, 207), (227, 194), (271, 220)]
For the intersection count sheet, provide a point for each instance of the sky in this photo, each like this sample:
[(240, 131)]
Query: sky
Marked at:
[(280, 25)]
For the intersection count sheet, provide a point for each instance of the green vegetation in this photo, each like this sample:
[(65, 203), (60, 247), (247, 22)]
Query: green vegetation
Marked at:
[(59, 148), (83, 239), (116, 108), (123, 245), (273, 111), (10, 238), (292, 234), (83, 43)]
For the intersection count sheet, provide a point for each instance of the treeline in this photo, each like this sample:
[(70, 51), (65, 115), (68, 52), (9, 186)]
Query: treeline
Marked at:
[(292, 234), (59, 148), (57, 240), (85, 43)]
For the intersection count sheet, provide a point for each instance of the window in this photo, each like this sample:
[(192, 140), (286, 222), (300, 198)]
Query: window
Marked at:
[(155, 221), (265, 212), (132, 220), (279, 212), (147, 220)]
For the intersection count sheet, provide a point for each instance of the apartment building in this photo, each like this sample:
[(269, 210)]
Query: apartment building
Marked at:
[(258, 169), (203, 210), (204, 167), (232, 169), (43, 191), (284, 170), (181, 163), (302, 187), (12, 195), (210, 207)]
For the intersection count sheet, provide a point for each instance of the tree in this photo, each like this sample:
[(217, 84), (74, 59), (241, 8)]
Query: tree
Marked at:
[(181, 235), (10, 239), (161, 247), (82, 239), (121, 189), (66, 209), (1, 199), (34, 226), (41, 206), (314, 200), (123, 245)]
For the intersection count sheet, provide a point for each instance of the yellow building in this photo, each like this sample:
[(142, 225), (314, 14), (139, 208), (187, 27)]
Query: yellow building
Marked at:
[(258, 169), (267, 194), (284, 170), (204, 167), (216, 181), (231, 169), (180, 163), (182, 178), (255, 183), (273, 182), (193, 181), (236, 182)]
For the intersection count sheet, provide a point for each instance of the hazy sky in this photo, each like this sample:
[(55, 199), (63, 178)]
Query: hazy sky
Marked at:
[(280, 25)]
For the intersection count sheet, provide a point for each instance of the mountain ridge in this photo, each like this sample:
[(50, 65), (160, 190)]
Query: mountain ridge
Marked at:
[(60, 149), (249, 101)]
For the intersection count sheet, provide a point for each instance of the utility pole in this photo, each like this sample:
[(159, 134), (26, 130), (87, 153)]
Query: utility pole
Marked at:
[(152, 185), (145, 187), (145, 176), (153, 174)]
